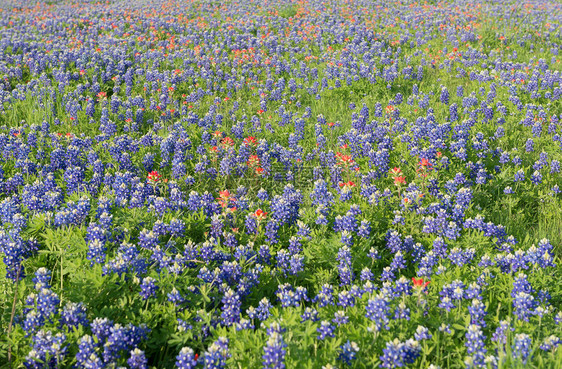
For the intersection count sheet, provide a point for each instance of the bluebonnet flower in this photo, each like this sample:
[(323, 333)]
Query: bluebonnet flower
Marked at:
[(473, 291), (393, 241), (446, 303), (74, 315), (101, 328), (378, 311), (325, 296), (398, 354), (444, 95), (175, 297), (445, 328), (403, 286), (345, 299), (477, 312), (137, 359), (183, 325), (274, 350), (529, 145), (550, 343), (325, 330), (475, 345), (340, 318), (402, 311), (374, 254), (344, 266), (387, 274), (398, 262), (521, 284), (217, 354), (46, 348), (522, 347), (519, 176), (86, 356), (309, 314), (231, 308), (287, 296), (536, 177), (186, 359), (262, 312), (422, 333), (364, 229), (148, 288), (348, 352), (523, 305), (367, 275), (122, 338), (42, 278)]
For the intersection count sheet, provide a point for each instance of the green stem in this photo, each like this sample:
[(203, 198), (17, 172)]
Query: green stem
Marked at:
[(12, 315), (61, 277)]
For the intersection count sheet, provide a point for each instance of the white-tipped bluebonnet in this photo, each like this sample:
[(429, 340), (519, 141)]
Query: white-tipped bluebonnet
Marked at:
[(137, 360), (274, 350), (475, 345), (422, 333), (148, 288), (86, 357), (550, 343), (309, 314), (325, 330), (217, 354), (521, 348), (345, 266), (340, 318), (186, 359), (231, 308), (348, 352), (378, 311), (74, 315), (477, 313), (47, 349), (398, 354)]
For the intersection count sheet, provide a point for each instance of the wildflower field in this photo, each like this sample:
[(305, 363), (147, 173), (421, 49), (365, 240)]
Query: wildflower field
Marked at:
[(280, 184)]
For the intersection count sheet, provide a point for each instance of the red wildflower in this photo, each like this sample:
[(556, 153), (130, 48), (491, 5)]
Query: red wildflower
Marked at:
[(425, 163), (224, 195), (396, 171), (399, 180), (250, 140), (225, 198), (419, 283), (253, 161), (154, 176), (346, 185), (260, 214), (227, 141)]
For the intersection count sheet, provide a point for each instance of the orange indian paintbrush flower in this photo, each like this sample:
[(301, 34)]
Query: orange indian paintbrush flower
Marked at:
[(419, 283), (260, 214)]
